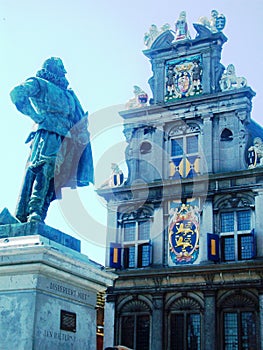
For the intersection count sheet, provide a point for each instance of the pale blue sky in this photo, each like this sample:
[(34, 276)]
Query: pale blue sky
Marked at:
[(101, 43)]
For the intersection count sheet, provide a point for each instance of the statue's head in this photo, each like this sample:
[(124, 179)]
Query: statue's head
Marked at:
[(54, 71), (182, 16), (55, 65), (214, 13)]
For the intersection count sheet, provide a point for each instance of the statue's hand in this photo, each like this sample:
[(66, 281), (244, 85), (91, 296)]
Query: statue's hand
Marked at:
[(21, 95)]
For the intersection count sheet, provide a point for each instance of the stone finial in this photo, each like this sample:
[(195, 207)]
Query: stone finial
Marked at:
[(117, 177), (140, 98), (230, 81), (181, 27), (255, 153), (153, 33), (216, 23)]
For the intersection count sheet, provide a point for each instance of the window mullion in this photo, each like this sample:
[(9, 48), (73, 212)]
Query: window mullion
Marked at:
[(236, 235), (184, 155), (136, 242), (135, 331), (239, 325)]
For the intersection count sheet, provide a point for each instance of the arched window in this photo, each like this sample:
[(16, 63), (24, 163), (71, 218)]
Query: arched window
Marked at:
[(184, 151), (135, 320), (185, 325), (226, 135), (238, 320)]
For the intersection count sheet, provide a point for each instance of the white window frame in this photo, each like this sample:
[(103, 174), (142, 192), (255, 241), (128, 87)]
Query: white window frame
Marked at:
[(136, 242), (184, 131), (236, 233)]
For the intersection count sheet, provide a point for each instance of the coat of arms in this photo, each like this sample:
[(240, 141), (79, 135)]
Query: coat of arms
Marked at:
[(184, 234), (183, 78)]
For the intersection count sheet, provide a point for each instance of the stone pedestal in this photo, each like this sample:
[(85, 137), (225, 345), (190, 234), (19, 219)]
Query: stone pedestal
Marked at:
[(48, 292)]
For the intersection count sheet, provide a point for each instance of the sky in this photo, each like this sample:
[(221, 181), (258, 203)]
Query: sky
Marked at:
[(101, 45)]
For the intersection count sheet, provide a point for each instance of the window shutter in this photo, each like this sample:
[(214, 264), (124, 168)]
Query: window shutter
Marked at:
[(115, 255), (212, 247), (254, 242), (126, 257), (144, 254)]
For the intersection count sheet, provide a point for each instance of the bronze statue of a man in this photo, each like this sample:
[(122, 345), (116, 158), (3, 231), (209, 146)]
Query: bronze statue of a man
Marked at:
[(60, 153)]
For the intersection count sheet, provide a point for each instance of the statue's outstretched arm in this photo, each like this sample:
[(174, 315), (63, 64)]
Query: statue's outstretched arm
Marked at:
[(20, 96)]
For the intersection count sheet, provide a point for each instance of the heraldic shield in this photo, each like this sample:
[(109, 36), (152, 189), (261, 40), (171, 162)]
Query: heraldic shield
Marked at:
[(184, 234)]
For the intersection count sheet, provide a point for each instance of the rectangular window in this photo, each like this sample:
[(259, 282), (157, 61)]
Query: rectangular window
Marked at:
[(227, 222), (240, 244), (135, 331), (185, 160), (185, 331), (129, 231), (193, 332), (177, 332), (230, 331), (144, 230), (245, 247), (243, 220), (177, 147), (142, 332), (144, 255), (248, 331), (240, 331), (192, 144), (136, 246), (228, 248), (132, 256), (127, 331)]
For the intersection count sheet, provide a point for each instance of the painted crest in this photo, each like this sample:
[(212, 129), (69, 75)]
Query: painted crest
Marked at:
[(184, 234), (252, 158), (255, 153), (183, 78), (220, 22)]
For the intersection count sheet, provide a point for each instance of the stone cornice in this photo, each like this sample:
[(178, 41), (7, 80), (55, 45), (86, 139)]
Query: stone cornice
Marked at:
[(220, 102), (198, 277), (50, 262)]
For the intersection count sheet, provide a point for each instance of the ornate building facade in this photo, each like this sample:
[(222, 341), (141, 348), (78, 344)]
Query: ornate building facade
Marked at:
[(185, 230)]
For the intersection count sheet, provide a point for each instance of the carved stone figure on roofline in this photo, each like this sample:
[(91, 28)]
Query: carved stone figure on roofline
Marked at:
[(60, 154), (181, 27), (230, 81), (215, 24), (140, 98), (153, 34), (255, 154)]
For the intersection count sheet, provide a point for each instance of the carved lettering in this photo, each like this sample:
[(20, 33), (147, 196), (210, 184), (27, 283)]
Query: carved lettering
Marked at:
[(59, 336), (68, 291)]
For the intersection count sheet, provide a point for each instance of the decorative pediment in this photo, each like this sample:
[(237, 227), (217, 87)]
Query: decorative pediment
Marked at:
[(185, 303), (135, 306), (235, 202), (184, 128)]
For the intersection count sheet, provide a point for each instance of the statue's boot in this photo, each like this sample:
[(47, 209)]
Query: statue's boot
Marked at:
[(38, 203)]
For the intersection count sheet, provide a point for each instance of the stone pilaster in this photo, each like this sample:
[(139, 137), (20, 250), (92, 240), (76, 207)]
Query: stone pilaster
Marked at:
[(112, 230), (261, 319), (207, 145), (157, 323), (259, 222), (209, 321), (206, 227), (109, 319)]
